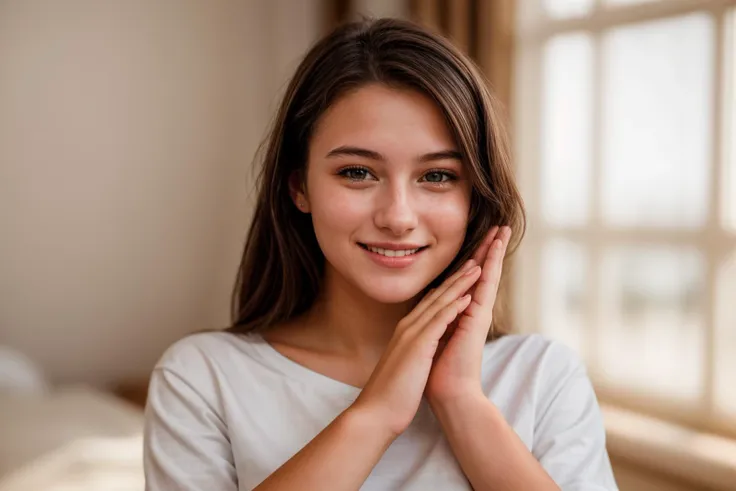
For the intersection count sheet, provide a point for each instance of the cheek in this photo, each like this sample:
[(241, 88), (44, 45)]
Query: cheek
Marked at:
[(449, 217), (336, 215), (339, 209)]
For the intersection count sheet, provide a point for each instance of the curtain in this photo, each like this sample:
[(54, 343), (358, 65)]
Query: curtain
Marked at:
[(484, 29)]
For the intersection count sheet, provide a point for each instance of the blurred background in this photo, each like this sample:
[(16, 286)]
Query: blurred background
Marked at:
[(127, 136)]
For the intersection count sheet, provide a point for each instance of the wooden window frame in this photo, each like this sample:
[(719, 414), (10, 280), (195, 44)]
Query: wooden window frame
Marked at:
[(715, 242)]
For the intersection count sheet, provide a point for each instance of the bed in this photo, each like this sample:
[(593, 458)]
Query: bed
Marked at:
[(73, 438)]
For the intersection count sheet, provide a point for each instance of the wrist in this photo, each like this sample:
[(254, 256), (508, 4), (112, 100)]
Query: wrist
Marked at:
[(362, 420), (461, 395), (464, 418), (460, 403)]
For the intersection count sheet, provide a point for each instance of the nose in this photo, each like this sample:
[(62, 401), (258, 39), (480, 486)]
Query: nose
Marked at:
[(395, 212)]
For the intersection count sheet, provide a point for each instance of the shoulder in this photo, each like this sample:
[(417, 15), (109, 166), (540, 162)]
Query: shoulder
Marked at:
[(534, 352), (543, 389), (199, 358), (196, 348), (195, 370), (534, 368)]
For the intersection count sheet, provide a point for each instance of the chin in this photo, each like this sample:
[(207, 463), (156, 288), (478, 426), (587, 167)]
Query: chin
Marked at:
[(392, 292)]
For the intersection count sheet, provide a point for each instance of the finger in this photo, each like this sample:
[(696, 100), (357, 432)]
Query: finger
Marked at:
[(444, 317), (482, 250), (435, 293), (486, 290), (445, 338), (456, 290), (477, 258)]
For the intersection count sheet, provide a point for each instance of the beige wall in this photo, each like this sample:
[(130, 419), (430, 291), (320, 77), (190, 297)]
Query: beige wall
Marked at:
[(127, 131)]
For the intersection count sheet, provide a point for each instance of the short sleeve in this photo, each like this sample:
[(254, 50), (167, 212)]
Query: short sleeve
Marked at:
[(186, 447), (569, 435)]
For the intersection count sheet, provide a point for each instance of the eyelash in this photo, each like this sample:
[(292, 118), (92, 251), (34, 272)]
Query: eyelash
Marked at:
[(451, 177)]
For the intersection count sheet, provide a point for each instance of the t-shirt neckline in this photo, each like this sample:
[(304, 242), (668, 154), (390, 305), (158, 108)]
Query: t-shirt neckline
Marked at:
[(300, 372)]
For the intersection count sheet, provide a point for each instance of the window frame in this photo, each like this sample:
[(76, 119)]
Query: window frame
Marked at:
[(713, 240)]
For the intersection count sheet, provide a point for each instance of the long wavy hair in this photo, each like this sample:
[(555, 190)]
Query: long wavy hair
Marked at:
[(282, 265)]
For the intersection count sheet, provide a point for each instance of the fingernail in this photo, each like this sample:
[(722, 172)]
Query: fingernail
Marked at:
[(472, 270), (468, 264)]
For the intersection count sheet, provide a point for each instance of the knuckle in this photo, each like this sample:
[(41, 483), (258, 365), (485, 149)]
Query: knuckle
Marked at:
[(448, 311), (405, 332), (403, 338), (454, 293)]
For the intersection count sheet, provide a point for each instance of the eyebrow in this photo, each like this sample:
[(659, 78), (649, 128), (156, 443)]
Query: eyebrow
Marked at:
[(373, 155)]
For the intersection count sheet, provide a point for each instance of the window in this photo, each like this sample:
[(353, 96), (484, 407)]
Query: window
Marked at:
[(625, 132)]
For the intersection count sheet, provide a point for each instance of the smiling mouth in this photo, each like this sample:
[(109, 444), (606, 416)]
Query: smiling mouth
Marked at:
[(391, 252)]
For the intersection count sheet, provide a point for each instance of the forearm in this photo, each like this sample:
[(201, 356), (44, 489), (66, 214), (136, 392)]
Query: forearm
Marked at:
[(341, 457), (487, 448)]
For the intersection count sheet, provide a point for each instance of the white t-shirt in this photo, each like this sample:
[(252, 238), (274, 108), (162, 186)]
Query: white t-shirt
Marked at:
[(225, 411)]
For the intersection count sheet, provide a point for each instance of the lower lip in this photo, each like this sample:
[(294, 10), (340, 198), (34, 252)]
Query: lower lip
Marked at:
[(393, 262)]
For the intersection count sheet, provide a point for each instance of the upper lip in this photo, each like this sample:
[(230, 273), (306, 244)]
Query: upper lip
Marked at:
[(392, 247)]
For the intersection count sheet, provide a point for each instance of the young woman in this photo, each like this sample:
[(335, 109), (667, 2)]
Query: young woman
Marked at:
[(364, 353)]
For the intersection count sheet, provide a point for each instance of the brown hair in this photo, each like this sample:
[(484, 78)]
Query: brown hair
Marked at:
[(281, 268)]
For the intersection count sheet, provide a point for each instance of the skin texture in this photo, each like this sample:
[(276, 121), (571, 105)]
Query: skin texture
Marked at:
[(393, 199), (402, 197), (369, 329)]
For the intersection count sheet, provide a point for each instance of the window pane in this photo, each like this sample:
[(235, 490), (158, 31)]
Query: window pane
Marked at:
[(560, 9), (657, 115), (566, 129), (725, 382), (729, 169), (563, 296), (651, 320)]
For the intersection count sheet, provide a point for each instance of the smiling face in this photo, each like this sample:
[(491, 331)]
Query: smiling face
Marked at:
[(387, 191)]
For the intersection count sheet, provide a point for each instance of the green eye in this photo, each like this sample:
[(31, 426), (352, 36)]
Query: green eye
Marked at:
[(355, 173), (439, 177)]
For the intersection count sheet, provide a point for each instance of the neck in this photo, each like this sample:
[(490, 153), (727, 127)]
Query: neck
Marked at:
[(351, 323)]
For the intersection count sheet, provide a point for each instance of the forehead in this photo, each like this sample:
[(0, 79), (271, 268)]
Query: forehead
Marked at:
[(395, 121)]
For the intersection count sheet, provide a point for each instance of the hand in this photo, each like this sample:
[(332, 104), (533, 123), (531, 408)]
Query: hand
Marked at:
[(392, 395), (456, 371)]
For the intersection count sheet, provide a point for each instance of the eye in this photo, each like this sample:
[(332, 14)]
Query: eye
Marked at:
[(439, 176), (355, 173)]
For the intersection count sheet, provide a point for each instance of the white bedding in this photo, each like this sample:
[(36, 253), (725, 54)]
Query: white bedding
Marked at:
[(76, 439)]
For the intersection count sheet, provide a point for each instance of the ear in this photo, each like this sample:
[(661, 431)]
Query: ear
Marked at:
[(297, 192)]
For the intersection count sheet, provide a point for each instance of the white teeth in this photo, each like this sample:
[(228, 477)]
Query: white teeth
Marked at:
[(392, 253)]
